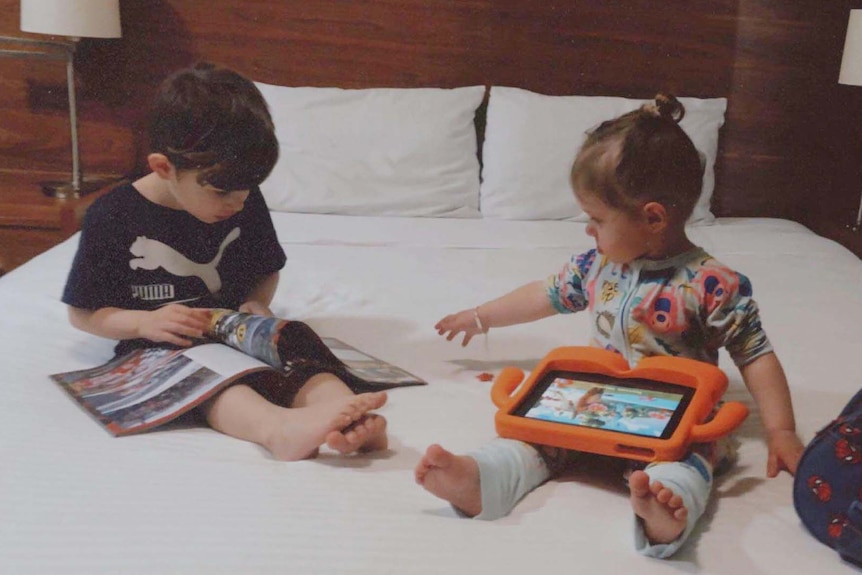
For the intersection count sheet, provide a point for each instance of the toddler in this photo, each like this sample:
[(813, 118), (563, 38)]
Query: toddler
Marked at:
[(649, 291)]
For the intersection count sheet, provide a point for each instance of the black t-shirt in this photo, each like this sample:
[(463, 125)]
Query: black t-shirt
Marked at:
[(134, 254)]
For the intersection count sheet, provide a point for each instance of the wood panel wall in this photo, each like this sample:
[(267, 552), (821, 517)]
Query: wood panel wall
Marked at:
[(791, 147)]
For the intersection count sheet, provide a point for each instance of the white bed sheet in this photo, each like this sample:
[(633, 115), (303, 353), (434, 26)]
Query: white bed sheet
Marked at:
[(73, 499)]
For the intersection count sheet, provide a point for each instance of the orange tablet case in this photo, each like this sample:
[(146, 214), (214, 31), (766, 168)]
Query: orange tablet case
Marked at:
[(696, 426)]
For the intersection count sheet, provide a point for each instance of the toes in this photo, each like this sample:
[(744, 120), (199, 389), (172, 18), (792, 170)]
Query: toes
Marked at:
[(656, 487), (356, 410), (436, 456), (361, 404), (335, 440), (675, 502), (356, 435), (362, 434), (664, 496), (373, 400), (375, 424), (423, 468), (639, 484)]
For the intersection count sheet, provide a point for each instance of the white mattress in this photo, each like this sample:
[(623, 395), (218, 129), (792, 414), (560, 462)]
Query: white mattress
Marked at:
[(73, 499)]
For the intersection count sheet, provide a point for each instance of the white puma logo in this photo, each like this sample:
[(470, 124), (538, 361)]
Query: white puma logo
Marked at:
[(153, 254)]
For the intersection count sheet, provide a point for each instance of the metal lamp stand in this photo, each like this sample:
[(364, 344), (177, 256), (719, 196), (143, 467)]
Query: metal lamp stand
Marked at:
[(53, 50)]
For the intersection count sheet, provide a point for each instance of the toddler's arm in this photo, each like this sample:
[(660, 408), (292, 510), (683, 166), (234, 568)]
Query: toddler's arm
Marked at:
[(765, 379), (524, 304), (173, 323), (257, 302)]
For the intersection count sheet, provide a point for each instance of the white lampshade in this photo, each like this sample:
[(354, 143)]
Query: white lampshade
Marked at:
[(851, 62), (75, 18)]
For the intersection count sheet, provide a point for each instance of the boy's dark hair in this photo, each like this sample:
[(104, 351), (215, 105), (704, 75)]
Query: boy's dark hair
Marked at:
[(642, 156), (213, 119)]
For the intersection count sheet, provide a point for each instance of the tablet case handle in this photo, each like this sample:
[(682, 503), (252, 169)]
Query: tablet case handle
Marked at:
[(728, 417), (506, 382)]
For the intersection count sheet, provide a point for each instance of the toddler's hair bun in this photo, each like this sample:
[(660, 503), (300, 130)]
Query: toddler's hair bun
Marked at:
[(666, 106)]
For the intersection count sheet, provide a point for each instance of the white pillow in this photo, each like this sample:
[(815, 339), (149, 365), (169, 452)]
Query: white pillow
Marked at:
[(531, 140), (382, 152)]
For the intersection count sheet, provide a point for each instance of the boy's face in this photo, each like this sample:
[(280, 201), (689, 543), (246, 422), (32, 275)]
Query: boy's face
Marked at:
[(620, 236), (206, 203)]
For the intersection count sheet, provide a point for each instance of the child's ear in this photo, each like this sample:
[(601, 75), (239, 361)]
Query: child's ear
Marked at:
[(161, 165), (656, 216)]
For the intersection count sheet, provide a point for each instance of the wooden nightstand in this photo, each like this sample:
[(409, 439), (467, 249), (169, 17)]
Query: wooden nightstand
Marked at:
[(31, 222)]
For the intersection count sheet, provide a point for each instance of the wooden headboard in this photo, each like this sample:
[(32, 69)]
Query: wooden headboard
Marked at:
[(790, 138)]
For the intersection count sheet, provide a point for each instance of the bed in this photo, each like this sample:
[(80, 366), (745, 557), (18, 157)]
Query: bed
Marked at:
[(379, 274)]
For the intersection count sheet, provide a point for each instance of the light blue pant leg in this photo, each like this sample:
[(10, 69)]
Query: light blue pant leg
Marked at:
[(691, 479), (508, 470)]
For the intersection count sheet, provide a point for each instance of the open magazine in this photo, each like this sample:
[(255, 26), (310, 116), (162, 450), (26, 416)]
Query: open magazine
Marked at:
[(149, 387)]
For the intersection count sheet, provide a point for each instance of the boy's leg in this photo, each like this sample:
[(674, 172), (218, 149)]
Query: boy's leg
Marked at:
[(368, 433), (289, 433), (668, 499), (487, 483)]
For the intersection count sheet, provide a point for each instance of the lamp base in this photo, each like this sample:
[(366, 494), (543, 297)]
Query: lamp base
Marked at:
[(66, 190)]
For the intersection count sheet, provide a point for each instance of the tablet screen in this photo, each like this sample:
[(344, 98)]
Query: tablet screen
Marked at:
[(633, 406)]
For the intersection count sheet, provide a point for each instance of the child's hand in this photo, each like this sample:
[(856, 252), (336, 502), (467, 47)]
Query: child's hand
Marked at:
[(255, 308), (785, 449), (453, 324), (175, 323)]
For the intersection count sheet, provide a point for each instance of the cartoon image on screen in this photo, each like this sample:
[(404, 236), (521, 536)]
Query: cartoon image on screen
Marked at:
[(634, 407)]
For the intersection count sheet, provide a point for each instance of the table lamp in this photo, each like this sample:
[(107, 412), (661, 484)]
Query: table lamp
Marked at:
[(851, 69), (73, 19)]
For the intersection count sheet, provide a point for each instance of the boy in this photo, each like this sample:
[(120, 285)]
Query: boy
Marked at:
[(195, 233)]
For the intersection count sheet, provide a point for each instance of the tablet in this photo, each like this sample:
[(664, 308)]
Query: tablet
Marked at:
[(631, 406), (589, 399)]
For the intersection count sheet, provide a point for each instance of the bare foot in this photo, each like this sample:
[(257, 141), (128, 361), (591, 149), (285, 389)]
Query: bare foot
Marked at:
[(300, 431), (662, 511), (368, 433), (454, 478)]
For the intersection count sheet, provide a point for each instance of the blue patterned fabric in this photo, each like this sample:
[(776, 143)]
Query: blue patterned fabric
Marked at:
[(690, 305), (827, 488)]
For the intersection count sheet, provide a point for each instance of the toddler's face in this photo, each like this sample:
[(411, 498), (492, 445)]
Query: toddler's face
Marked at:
[(206, 203), (620, 236)]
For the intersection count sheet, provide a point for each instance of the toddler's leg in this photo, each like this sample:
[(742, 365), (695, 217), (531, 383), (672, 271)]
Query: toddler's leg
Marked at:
[(487, 483), (668, 499), (294, 433)]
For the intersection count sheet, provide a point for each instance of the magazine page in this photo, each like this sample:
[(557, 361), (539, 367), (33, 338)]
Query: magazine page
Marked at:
[(370, 368), (222, 360), (149, 387), (289, 345), (255, 335)]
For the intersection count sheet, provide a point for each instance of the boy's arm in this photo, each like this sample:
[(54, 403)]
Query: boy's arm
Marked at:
[(767, 383), (173, 323), (524, 304), (257, 302)]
